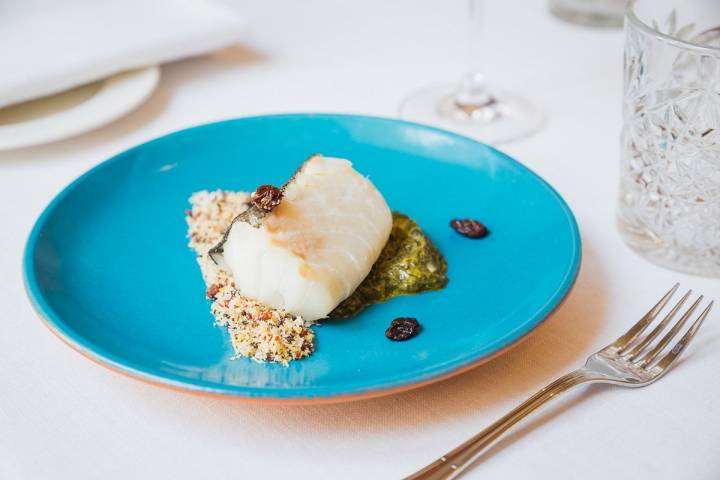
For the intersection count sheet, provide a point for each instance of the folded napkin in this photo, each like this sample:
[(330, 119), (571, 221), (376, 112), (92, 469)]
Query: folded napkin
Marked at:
[(47, 46)]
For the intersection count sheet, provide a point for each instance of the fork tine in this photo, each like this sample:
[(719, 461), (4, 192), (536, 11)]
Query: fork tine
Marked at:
[(678, 348), (638, 349), (641, 325), (652, 354)]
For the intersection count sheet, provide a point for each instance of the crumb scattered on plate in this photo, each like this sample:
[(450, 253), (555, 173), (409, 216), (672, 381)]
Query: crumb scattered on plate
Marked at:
[(257, 331)]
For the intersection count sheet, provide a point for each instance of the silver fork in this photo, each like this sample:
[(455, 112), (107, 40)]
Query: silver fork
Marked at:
[(630, 361)]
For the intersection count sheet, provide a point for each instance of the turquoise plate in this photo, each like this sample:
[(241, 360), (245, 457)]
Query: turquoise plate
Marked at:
[(108, 268)]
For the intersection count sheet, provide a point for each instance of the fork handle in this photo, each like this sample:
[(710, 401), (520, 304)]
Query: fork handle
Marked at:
[(452, 464)]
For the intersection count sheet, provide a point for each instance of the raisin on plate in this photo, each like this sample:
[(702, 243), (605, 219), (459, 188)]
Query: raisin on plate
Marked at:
[(469, 228), (402, 328)]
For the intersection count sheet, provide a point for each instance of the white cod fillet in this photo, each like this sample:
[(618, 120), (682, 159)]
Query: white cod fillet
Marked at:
[(313, 250)]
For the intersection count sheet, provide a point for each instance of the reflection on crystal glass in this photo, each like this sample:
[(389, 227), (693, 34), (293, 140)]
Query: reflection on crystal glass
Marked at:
[(669, 207)]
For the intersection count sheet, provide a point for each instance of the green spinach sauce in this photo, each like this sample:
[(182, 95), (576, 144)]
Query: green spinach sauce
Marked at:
[(410, 263)]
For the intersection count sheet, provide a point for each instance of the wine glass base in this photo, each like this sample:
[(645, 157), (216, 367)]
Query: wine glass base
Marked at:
[(607, 18), (509, 117)]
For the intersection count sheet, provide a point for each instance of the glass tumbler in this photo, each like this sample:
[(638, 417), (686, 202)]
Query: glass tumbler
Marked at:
[(669, 205)]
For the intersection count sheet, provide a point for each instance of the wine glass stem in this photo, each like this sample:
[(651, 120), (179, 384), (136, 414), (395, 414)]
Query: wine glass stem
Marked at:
[(473, 90)]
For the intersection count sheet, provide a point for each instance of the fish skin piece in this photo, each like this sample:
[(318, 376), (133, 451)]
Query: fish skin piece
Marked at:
[(314, 249)]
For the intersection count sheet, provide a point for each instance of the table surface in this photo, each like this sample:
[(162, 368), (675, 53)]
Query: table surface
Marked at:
[(64, 417)]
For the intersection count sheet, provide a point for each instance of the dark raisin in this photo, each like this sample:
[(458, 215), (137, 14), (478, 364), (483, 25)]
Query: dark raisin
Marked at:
[(267, 197), (402, 328), (469, 228), (212, 291)]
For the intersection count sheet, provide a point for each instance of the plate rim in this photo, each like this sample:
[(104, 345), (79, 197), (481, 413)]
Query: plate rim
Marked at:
[(56, 325)]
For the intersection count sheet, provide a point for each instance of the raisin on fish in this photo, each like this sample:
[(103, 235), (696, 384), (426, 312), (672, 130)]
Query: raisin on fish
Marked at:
[(267, 197), (402, 328), (469, 228)]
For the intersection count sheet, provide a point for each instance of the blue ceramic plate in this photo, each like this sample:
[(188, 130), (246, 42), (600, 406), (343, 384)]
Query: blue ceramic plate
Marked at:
[(108, 268)]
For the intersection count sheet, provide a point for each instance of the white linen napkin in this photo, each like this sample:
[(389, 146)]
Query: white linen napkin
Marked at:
[(47, 46)]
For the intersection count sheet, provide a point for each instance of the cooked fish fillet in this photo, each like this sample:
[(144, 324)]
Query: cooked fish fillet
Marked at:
[(313, 249)]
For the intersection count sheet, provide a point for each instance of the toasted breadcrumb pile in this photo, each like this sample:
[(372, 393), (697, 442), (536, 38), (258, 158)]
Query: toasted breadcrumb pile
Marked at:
[(257, 331)]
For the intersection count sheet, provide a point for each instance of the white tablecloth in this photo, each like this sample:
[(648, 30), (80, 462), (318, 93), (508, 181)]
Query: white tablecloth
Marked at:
[(64, 417)]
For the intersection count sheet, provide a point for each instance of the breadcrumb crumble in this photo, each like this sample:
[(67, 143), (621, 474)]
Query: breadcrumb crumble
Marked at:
[(257, 331)]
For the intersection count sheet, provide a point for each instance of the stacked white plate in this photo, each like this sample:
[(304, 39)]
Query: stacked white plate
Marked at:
[(75, 111)]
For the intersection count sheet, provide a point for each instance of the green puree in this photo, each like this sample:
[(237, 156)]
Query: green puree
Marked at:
[(410, 263)]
